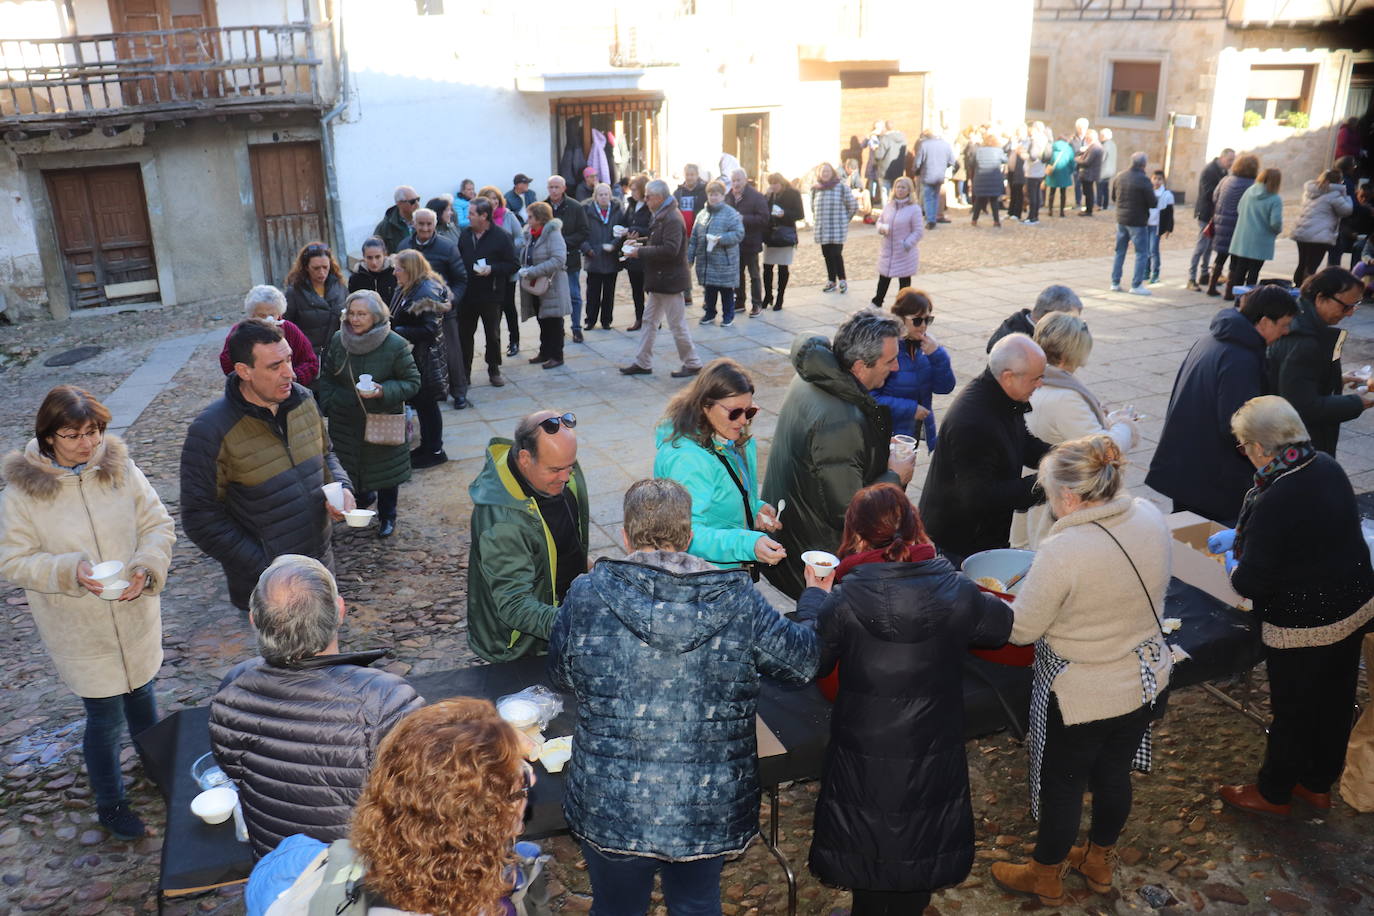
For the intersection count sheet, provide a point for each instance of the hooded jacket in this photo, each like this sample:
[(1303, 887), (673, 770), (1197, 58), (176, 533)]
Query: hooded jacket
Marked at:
[(1226, 208), (898, 255), (664, 654), (1196, 463), (831, 442), (298, 740), (1322, 212), (513, 561), (721, 533), (250, 484), (894, 811), (718, 266), (51, 519), (417, 315), (1259, 220), (1305, 368), (392, 229)]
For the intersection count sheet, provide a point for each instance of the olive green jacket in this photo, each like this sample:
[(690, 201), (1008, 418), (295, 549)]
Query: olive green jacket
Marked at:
[(369, 466)]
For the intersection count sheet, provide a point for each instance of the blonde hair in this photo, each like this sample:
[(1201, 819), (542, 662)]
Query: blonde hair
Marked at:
[(1066, 340), (416, 266), (910, 188), (1092, 468), (1270, 422), (715, 185)]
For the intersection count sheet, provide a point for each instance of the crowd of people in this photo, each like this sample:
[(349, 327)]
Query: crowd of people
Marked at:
[(356, 793)]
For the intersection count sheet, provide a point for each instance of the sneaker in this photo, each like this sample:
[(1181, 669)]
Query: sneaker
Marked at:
[(707, 319), (1031, 222), (1116, 287), (844, 286), (728, 322), (635, 369), (1140, 291), (829, 287), (1154, 281), (121, 821)]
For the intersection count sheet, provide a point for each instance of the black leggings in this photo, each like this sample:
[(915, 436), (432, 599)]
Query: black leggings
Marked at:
[(1244, 271), (834, 260), (551, 337), (992, 203), (512, 318), (1310, 256), (1092, 755), (1063, 199), (431, 424), (600, 298), (637, 292), (784, 271), (890, 903), (884, 283)]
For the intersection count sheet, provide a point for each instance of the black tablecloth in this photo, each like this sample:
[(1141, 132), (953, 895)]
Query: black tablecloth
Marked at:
[(1220, 640)]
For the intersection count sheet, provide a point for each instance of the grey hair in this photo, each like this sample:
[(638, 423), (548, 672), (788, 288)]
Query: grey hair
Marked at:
[(658, 515), (295, 609), (1270, 422), (658, 187), (403, 192), (1012, 354), (559, 179), (1056, 298), (374, 304), (734, 172), (264, 295), (424, 211), (861, 337), (1139, 160), (599, 186)]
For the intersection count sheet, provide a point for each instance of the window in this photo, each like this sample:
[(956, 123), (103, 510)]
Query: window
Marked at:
[(1135, 90), (429, 7), (1038, 83), (1275, 92)]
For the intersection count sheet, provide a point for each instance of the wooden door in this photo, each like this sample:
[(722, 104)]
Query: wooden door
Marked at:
[(288, 189), (141, 23), (102, 229)]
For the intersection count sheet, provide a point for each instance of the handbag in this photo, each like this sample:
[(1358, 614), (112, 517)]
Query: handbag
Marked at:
[(379, 428), (535, 286), (752, 566), (1210, 230), (783, 237)]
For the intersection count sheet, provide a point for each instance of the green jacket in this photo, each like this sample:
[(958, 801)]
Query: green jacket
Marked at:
[(370, 467), (393, 229), (512, 562), (1259, 220), (831, 442), (720, 532)]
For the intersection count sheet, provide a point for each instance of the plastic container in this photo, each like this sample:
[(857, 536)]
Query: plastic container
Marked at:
[(1001, 564)]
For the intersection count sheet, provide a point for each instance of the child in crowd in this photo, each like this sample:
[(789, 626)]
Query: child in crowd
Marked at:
[(1160, 224)]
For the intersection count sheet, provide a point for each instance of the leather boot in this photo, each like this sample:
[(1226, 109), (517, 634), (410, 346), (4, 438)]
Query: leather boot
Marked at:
[(1043, 881), (1212, 282), (1095, 863)]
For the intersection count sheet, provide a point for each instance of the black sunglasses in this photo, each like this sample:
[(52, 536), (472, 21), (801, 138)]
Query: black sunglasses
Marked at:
[(551, 425), (413, 200), (734, 413), (314, 251), (922, 319)]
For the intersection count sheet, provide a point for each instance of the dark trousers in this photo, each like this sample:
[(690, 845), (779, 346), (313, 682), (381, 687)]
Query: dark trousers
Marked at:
[(386, 502), (1033, 191), (727, 302), (106, 718), (1104, 193), (784, 272), (637, 292), (551, 337), (512, 316), (833, 253), (453, 355), (889, 903), (431, 424), (600, 298), (1017, 200), (1092, 756), (884, 283), (621, 885), (992, 203), (1088, 195), (1244, 271), (489, 313), (1312, 697), (1310, 256), (1063, 194), (749, 263)]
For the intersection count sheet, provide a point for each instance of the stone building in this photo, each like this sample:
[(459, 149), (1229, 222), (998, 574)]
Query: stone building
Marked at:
[(1184, 79)]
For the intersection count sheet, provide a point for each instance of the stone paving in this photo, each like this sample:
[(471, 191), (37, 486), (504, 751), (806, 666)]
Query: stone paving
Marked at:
[(409, 593)]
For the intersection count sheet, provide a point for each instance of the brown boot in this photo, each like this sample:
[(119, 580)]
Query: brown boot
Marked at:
[(1095, 863), (1212, 282), (1043, 881)]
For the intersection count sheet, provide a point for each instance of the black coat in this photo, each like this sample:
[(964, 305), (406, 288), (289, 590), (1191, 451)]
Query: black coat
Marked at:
[(1204, 206), (782, 230), (417, 316), (636, 220), (444, 260), (1196, 462), (574, 228), (975, 481), (893, 812), (753, 209), (1134, 196), (383, 282), (599, 260), (1304, 369), (299, 741), (317, 316), (1015, 323), (499, 250)]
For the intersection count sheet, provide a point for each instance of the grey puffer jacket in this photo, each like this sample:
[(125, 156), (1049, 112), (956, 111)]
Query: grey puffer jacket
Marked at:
[(664, 653), (299, 741), (1323, 206)]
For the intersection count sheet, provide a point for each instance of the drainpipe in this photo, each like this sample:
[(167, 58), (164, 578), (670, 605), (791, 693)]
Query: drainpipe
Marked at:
[(331, 173)]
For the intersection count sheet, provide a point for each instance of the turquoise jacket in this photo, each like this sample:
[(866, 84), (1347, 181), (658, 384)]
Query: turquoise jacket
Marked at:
[(720, 532), (1258, 223)]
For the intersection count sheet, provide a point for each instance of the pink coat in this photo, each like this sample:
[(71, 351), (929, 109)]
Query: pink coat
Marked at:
[(897, 253)]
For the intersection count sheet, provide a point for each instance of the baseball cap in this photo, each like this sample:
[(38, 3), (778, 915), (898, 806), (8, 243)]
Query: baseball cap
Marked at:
[(521, 177)]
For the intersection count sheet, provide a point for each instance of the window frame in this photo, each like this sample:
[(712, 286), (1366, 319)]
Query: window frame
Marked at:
[(1126, 122), (1048, 57), (1273, 106)]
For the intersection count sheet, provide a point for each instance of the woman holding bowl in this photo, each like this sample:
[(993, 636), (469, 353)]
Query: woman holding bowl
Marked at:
[(704, 443), (105, 643), (366, 345), (635, 218), (417, 312), (543, 257), (923, 369), (714, 250)]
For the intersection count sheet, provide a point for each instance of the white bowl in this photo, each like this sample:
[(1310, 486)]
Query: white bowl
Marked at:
[(215, 806), (359, 518), (820, 562), (107, 573), (113, 590)]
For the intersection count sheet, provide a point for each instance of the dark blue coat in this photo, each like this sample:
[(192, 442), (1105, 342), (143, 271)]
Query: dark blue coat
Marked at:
[(1196, 462), (1226, 210), (666, 669), (918, 376)]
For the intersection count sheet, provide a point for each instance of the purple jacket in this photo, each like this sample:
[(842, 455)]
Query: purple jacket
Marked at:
[(898, 255)]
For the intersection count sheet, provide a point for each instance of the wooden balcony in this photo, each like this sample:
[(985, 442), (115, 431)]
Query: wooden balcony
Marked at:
[(86, 81)]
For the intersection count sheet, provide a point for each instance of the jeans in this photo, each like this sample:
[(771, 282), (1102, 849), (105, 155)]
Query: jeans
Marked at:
[(1091, 755), (1033, 198), (669, 308), (883, 284), (431, 424), (489, 314), (1130, 235), (105, 720), (727, 303), (1310, 256), (932, 202), (1104, 193), (1312, 695), (992, 203), (1152, 246), (749, 263), (621, 885), (1198, 268), (551, 337), (833, 252), (575, 292), (600, 298), (1088, 194)]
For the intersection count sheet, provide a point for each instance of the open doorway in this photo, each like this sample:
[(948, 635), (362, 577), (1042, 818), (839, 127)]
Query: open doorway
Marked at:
[(745, 136)]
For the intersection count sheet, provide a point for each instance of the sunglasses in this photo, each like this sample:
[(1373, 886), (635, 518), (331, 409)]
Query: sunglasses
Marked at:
[(551, 425), (735, 413), (921, 319), (413, 200), (314, 251)]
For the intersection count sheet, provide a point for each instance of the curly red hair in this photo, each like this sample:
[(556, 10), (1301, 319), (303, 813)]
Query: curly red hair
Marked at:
[(881, 517), (438, 818)]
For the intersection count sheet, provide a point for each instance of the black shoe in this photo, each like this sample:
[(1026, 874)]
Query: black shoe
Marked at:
[(577, 335), (513, 349), (427, 459), (537, 358), (589, 326), (121, 821), (635, 370), (685, 372), (942, 220), (460, 402), (929, 224), (388, 528), (553, 364)]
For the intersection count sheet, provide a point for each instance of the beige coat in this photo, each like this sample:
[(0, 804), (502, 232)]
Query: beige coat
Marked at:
[(1083, 598), (50, 520)]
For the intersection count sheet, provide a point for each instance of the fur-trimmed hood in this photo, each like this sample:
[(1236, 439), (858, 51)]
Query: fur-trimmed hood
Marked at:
[(36, 475)]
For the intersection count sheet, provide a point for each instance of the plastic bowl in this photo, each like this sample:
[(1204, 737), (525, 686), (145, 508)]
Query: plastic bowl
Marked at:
[(359, 518), (215, 806), (1002, 564)]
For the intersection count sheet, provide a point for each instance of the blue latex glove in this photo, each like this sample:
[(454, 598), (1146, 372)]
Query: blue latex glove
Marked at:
[(1229, 556), (1221, 541)]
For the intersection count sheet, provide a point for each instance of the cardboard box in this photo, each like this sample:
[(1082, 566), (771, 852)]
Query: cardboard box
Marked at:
[(1194, 565)]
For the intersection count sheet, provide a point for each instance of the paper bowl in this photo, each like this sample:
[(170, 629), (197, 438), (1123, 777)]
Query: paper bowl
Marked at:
[(215, 806), (359, 518), (820, 562), (113, 590), (108, 573)]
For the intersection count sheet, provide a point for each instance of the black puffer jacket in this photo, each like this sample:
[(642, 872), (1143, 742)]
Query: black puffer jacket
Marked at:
[(417, 316), (1305, 368), (317, 316), (894, 812), (298, 741)]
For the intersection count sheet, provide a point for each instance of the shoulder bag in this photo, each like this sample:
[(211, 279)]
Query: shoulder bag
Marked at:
[(750, 565), (535, 286), (379, 428)]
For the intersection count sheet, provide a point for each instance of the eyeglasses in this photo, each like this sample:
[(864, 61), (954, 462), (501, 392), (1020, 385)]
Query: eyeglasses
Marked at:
[(1348, 307), (1240, 447), (94, 436), (527, 772), (734, 413), (551, 425)]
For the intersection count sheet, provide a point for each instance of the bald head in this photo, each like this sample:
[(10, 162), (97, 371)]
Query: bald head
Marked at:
[(1018, 365), (545, 449)]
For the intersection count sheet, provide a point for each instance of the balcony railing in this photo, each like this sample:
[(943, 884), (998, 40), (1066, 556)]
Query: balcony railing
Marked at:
[(1130, 10), (173, 73)]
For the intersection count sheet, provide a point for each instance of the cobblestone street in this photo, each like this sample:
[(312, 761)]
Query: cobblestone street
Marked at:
[(409, 592)]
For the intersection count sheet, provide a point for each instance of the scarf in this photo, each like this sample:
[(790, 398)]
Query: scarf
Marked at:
[(359, 344), (915, 553), (827, 185), (603, 215), (498, 217), (1058, 378), (1293, 457), (536, 231)]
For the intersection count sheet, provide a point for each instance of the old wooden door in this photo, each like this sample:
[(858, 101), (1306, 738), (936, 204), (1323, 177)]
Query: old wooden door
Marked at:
[(141, 24), (102, 229), (288, 189)]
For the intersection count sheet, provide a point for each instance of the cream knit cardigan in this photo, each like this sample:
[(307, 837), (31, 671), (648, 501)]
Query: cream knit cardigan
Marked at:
[(1083, 598)]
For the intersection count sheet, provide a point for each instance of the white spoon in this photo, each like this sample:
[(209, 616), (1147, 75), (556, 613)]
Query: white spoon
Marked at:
[(782, 504)]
